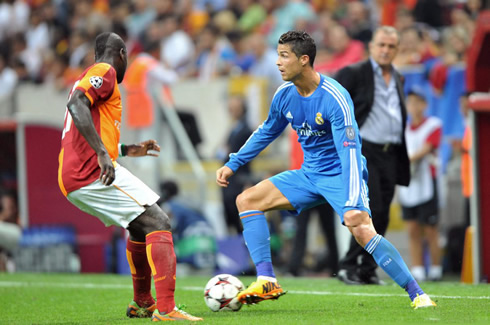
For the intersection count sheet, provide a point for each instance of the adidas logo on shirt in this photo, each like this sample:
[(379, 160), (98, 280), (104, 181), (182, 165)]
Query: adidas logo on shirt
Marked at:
[(289, 115)]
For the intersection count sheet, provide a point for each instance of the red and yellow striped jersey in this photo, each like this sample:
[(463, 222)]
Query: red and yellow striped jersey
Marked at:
[(78, 164)]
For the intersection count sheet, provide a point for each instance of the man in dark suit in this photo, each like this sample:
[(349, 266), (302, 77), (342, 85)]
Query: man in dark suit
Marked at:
[(379, 106)]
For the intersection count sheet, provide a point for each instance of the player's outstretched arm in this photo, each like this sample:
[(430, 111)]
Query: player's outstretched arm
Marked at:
[(222, 176), (145, 148), (79, 108)]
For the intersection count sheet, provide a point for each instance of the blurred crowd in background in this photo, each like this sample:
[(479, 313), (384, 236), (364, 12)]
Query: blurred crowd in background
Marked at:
[(50, 41)]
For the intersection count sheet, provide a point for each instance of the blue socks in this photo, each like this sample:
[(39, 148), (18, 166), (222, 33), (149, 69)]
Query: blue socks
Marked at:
[(257, 238), (389, 259)]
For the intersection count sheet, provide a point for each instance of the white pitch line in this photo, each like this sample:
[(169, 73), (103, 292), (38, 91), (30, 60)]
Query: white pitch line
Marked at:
[(65, 285), (331, 293), (128, 286)]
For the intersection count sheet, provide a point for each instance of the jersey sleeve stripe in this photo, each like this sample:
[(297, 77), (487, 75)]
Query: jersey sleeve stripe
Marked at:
[(344, 101), (364, 195), (354, 179), (343, 110), (340, 99)]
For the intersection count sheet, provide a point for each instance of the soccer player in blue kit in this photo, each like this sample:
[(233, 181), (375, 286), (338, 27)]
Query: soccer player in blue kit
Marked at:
[(320, 110)]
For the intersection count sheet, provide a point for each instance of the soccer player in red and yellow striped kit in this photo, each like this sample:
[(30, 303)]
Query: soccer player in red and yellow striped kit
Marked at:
[(91, 179)]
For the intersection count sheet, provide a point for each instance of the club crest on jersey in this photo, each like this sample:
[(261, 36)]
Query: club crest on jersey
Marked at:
[(349, 131), (96, 81), (319, 119)]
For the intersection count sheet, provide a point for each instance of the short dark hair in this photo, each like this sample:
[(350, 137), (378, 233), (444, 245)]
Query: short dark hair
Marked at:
[(107, 40), (301, 44)]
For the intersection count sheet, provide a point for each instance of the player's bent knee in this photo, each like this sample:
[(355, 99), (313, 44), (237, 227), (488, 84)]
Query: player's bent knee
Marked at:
[(244, 201), (159, 219), (360, 225), (355, 218), (153, 219)]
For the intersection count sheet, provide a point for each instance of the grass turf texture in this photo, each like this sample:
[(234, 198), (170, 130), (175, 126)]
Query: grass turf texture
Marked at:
[(102, 299)]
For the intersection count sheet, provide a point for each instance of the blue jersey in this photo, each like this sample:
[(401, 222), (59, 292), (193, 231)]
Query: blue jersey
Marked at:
[(326, 128)]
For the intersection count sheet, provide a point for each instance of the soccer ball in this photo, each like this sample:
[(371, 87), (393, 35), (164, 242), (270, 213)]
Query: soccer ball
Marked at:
[(221, 292)]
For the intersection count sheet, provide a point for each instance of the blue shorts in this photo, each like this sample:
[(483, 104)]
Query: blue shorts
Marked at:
[(306, 190)]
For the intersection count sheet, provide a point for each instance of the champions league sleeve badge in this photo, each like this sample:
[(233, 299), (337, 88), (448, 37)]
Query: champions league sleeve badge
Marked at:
[(96, 81), (350, 133)]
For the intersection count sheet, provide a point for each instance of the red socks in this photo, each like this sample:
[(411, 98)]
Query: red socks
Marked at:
[(162, 260), (140, 272)]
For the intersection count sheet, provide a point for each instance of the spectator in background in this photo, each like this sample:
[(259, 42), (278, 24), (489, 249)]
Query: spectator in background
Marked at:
[(285, 16), (253, 14), (194, 238), (177, 48), (404, 19), (210, 60), (264, 65), (144, 72), (20, 69), (212, 6), (14, 18), (460, 17), (88, 17), (164, 8), (154, 33), (58, 72), (119, 13), (413, 48), (37, 35), (79, 47), (237, 136), (379, 107), (147, 74), (454, 48), (8, 83), (324, 23), (357, 22), (225, 20), (134, 46), (140, 17), (10, 231), (29, 58), (343, 51), (429, 12), (419, 201), (55, 16), (238, 56), (473, 8), (193, 17)]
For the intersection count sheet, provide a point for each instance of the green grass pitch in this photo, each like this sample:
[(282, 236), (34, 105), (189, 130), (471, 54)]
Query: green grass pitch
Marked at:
[(102, 299)]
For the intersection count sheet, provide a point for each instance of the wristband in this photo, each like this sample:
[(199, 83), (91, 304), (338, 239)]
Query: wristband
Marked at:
[(122, 149)]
